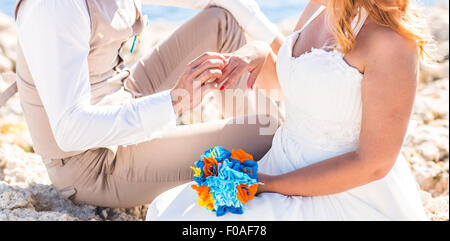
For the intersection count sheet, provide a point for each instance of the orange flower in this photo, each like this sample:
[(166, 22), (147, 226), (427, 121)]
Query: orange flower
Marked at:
[(211, 166), (245, 194), (205, 198), (241, 155)]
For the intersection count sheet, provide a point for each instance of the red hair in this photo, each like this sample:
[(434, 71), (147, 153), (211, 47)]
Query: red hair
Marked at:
[(400, 15)]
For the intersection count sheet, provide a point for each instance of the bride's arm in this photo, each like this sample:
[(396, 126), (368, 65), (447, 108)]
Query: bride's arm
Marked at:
[(388, 91)]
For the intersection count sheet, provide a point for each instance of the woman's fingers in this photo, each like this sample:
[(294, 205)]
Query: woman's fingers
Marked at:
[(202, 58), (208, 64), (252, 78), (236, 67), (233, 63), (209, 74), (234, 76), (229, 68), (227, 71)]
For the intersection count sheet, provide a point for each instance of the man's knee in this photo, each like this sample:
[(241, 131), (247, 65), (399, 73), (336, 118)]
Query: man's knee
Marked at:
[(214, 12), (232, 36)]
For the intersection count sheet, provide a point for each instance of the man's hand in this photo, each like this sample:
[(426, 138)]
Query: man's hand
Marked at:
[(196, 82)]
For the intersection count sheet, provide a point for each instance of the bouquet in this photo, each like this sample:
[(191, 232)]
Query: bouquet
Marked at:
[(226, 181)]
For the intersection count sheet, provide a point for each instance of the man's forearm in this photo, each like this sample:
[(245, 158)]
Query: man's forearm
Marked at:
[(276, 44)]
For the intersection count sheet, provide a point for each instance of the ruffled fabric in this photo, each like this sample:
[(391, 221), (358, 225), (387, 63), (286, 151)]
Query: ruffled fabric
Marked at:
[(241, 155), (210, 166), (246, 193), (335, 59), (219, 153), (226, 181), (205, 197)]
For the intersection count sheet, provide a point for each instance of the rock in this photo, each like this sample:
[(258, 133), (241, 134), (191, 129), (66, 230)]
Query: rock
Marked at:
[(431, 177), (8, 43), (5, 64), (6, 22), (432, 101), (437, 18), (33, 215), (441, 51), (427, 145), (429, 151), (10, 198), (438, 24), (14, 130), (22, 168), (437, 209), (26, 193), (433, 71)]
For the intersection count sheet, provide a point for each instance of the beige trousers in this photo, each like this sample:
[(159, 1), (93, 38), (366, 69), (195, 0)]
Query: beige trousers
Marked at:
[(136, 174)]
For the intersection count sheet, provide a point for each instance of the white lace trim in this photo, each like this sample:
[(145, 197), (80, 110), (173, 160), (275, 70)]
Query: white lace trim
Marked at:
[(321, 53)]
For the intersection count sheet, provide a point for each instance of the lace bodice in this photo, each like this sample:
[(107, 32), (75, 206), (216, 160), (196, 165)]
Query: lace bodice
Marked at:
[(323, 97)]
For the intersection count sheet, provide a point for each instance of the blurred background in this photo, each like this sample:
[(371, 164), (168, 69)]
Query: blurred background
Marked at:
[(26, 192), (276, 10)]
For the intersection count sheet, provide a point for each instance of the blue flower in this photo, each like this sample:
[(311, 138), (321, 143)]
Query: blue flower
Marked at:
[(222, 210), (223, 175), (219, 153), (200, 180), (224, 186), (251, 168)]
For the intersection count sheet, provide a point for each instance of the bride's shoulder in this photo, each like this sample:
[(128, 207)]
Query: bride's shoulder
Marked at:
[(307, 13), (376, 39), (389, 55)]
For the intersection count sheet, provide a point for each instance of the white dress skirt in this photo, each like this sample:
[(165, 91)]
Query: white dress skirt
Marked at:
[(323, 120)]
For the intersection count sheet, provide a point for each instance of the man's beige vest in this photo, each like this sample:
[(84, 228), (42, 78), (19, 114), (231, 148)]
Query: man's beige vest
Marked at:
[(110, 29)]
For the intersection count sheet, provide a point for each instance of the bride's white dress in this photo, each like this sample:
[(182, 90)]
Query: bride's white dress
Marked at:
[(323, 120)]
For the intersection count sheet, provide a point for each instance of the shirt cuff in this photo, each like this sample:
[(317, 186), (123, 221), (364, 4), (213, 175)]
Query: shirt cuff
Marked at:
[(156, 113)]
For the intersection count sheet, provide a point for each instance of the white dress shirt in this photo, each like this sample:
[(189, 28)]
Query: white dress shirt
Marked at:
[(54, 36)]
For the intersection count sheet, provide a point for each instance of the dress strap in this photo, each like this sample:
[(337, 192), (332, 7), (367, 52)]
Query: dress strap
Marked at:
[(359, 21), (314, 16)]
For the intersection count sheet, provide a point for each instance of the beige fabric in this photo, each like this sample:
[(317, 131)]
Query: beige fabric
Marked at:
[(136, 174), (106, 70)]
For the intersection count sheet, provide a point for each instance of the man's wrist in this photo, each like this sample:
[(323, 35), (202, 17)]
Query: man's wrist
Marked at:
[(176, 103)]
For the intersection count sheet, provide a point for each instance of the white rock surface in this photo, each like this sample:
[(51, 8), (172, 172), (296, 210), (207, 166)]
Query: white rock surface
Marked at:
[(8, 44)]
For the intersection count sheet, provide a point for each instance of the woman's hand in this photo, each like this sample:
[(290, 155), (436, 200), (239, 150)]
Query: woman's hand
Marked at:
[(196, 82), (250, 58)]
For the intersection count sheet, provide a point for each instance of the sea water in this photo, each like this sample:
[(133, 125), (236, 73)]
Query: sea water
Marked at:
[(276, 10)]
